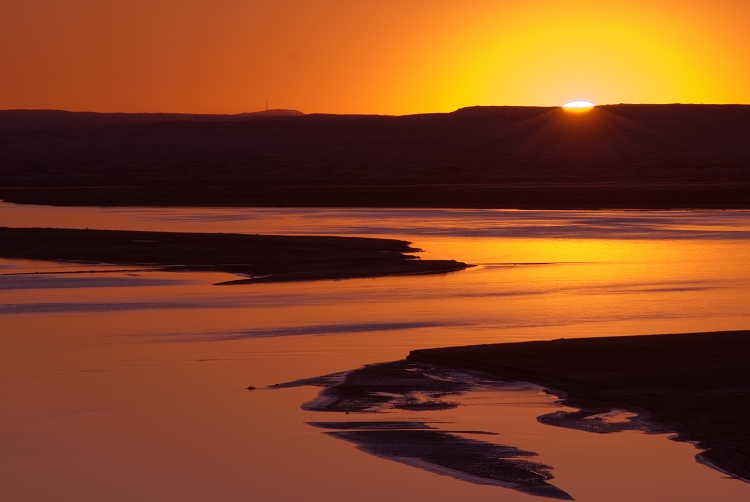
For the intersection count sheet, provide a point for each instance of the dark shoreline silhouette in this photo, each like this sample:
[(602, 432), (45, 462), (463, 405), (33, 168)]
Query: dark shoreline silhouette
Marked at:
[(695, 384), (265, 258), (618, 156), (406, 385)]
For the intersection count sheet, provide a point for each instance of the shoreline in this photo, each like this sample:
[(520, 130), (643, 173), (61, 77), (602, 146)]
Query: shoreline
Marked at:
[(264, 258), (625, 195), (697, 384)]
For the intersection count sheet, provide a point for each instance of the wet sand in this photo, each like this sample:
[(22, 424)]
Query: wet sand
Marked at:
[(264, 258), (696, 384), (417, 387)]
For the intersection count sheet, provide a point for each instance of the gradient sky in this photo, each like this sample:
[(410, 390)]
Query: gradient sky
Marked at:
[(369, 56)]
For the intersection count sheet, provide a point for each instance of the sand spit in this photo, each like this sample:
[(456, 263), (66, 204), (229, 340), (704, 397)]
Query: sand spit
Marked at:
[(406, 385), (696, 384), (448, 454), (261, 258)]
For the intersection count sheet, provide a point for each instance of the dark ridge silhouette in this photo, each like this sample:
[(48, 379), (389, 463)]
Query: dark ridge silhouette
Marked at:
[(639, 156), (696, 384), (28, 120), (264, 258), (277, 112)]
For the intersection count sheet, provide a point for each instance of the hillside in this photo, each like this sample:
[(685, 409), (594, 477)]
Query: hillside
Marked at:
[(618, 156)]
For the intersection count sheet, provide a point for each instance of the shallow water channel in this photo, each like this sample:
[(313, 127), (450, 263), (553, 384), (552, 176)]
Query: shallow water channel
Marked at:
[(131, 385)]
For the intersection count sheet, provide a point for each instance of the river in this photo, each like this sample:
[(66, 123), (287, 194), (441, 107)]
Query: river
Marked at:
[(124, 384)]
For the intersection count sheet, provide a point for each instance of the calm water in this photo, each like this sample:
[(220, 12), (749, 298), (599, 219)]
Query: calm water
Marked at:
[(130, 385)]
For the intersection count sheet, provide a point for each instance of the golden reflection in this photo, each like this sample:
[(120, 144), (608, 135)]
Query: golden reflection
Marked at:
[(157, 372)]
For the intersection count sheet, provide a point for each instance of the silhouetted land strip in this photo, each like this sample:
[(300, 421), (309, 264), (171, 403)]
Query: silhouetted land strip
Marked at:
[(510, 196), (269, 258), (619, 156), (696, 384), (466, 459), (426, 388)]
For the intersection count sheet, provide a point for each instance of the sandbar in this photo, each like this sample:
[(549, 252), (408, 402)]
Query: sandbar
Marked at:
[(696, 384), (260, 258)]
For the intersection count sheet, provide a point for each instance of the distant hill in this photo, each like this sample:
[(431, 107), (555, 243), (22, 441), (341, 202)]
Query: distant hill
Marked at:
[(279, 112), (614, 156), (58, 119)]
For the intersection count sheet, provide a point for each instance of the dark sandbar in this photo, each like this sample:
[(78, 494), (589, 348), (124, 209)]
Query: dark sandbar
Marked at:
[(408, 385), (695, 384), (264, 258), (467, 459)]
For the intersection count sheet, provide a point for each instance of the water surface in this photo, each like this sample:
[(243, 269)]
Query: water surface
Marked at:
[(125, 384)]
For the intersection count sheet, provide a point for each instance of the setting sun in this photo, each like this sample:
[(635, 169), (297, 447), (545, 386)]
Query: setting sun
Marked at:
[(578, 105)]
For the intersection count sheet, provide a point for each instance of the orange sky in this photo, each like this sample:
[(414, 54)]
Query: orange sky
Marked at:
[(369, 56)]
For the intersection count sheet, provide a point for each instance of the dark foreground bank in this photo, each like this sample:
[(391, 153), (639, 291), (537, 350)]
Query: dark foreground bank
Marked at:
[(265, 258), (696, 384), (371, 392)]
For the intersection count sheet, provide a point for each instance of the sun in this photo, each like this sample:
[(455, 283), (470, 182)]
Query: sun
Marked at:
[(578, 106)]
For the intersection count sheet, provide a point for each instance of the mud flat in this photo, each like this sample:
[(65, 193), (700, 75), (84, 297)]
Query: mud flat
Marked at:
[(406, 385), (262, 258), (696, 384)]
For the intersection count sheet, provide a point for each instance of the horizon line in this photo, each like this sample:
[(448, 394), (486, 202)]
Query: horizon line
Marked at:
[(296, 111)]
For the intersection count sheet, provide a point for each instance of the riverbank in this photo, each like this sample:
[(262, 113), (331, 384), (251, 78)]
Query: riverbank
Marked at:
[(263, 258), (696, 384)]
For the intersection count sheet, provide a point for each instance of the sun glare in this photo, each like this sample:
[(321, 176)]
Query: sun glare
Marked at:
[(578, 106)]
